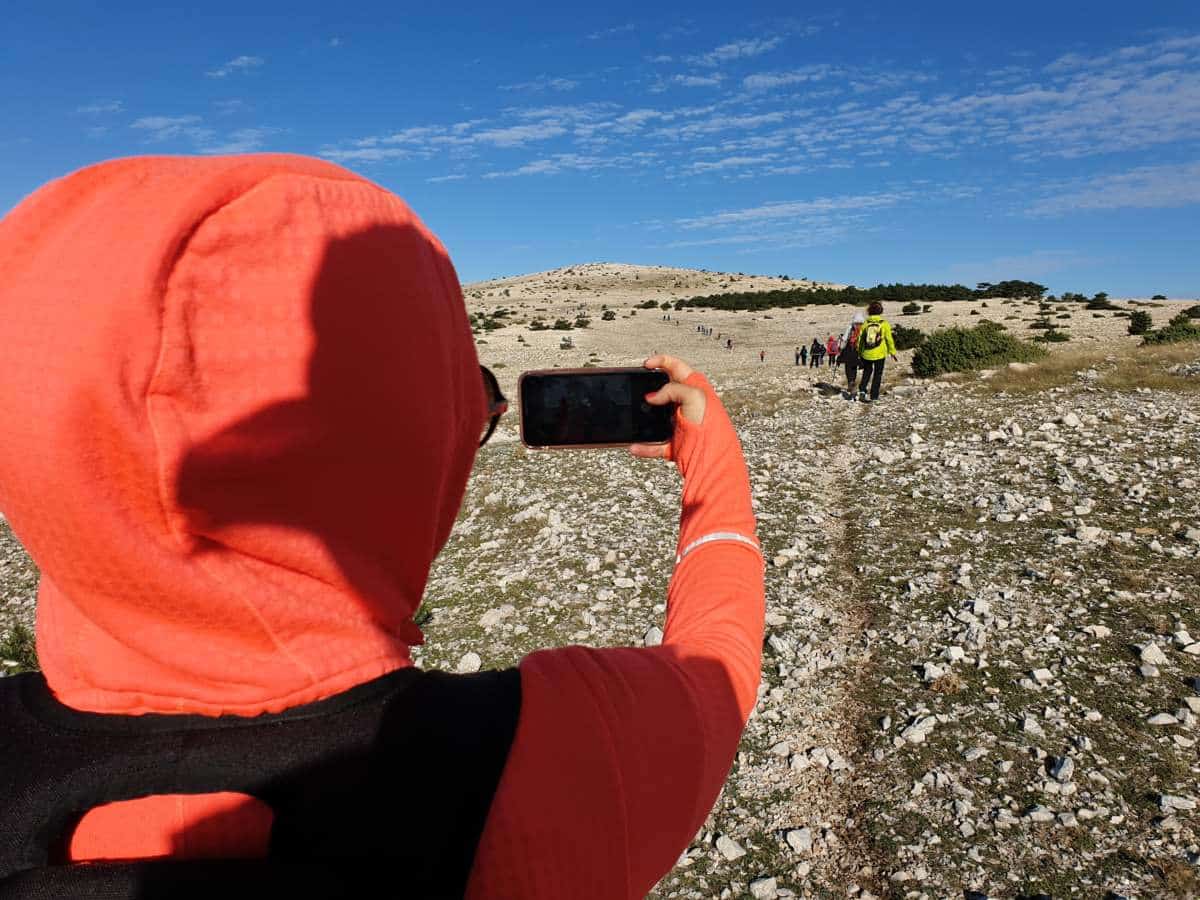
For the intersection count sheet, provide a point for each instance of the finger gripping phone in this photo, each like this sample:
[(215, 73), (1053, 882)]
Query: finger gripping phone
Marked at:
[(584, 408)]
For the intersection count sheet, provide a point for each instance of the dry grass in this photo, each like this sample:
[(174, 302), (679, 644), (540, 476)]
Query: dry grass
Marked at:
[(1123, 369)]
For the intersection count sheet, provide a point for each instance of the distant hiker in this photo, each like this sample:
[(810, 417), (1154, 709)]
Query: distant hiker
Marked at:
[(850, 351), (804, 355), (762, 355), (831, 350), (875, 344), (797, 356)]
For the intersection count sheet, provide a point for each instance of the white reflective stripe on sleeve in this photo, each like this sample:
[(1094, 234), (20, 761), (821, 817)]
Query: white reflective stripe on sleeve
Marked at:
[(717, 536)]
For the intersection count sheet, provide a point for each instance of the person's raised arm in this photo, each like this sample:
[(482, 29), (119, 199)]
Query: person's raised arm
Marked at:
[(620, 753)]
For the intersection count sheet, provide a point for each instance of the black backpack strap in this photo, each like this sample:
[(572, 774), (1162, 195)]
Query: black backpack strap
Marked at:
[(190, 880), (390, 779)]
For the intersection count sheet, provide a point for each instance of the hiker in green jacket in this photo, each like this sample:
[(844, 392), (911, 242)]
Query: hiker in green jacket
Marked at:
[(875, 344)]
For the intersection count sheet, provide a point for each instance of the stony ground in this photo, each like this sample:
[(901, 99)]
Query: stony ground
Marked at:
[(983, 641)]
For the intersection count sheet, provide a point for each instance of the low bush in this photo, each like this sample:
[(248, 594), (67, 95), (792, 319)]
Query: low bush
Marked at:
[(1193, 312), (582, 321), (608, 315), (1159, 297), (1180, 328), (1101, 303), (965, 349), (537, 325), (907, 338), (1052, 337), (911, 309), (562, 325), (1140, 322)]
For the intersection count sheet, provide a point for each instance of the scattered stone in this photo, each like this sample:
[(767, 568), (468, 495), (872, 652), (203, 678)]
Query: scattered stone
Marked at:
[(470, 662), (1151, 653), (800, 840), (764, 889), (653, 636), (1162, 719), (1062, 769), (729, 848)]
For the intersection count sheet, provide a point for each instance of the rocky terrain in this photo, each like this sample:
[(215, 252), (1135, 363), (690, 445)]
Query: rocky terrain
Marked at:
[(981, 674)]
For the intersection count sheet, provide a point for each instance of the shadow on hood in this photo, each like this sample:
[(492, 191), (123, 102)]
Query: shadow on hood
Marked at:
[(249, 403)]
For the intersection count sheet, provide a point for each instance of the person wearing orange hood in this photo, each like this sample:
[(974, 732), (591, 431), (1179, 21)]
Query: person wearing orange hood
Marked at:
[(240, 405)]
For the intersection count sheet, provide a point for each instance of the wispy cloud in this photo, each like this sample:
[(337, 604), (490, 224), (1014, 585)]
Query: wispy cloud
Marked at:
[(561, 162), (743, 49), (699, 80), (542, 83), (235, 65), (439, 179), (764, 81), (243, 140), (100, 108), (516, 135), (611, 32), (782, 210), (1146, 187), (335, 42), (165, 128)]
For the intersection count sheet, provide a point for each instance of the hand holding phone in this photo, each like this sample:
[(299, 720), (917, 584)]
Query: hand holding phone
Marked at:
[(584, 408), (691, 401)]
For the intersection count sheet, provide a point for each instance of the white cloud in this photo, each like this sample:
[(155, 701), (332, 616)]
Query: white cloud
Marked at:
[(102, 107), (366, 154), (729, 162), (699, 80), (542, 83), (439, 179), (1146, 187), (560, 163), (781, 210), (165, 128), (743, 49), (244, 140), (764, 81), (516, 135), (611, 32), (238, 64)]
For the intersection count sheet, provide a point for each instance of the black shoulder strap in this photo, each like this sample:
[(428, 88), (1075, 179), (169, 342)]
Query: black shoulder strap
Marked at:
[(394, 777)]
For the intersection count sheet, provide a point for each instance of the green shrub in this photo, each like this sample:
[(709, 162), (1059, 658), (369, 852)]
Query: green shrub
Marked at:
[(608, 315), (1159, 297), (562, 325), (927, 307), (1100, 302), (1193, 312), (647, 304), (907, 338), (1140, 322), (18, 646), (1063, 316), (666, 304), (1178, 329), (911, 309), (537, 325), (1044, 324), (582, 321), (1052, 337), (965, 349)]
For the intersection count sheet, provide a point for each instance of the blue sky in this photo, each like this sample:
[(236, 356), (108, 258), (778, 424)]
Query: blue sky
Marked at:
[(859, 143)]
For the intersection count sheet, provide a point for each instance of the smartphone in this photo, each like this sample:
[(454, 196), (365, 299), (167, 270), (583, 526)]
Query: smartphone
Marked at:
[(584, 408)]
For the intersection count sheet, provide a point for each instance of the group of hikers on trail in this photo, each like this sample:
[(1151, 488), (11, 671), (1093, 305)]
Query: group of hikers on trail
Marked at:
[(864, 345)]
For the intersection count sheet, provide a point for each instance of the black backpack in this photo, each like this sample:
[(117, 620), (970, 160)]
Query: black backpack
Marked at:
[(382, 790)]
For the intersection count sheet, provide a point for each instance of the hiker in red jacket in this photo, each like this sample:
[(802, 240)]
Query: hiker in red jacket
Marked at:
[(242, 405)]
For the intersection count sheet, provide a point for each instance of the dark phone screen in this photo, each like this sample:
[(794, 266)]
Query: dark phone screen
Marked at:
[(594, 408)]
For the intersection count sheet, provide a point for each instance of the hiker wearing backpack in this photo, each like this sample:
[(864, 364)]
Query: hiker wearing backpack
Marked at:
[(875, 344), (247, 403), (850, 351), (814, 354)]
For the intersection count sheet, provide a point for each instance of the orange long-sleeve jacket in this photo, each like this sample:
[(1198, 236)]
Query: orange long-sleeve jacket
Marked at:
[(241, 404)]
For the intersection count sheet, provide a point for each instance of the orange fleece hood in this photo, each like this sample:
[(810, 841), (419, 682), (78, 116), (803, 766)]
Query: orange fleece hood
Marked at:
[(239, 402)]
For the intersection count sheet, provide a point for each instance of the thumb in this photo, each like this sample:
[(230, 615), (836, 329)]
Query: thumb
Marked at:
[(691, 400)]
